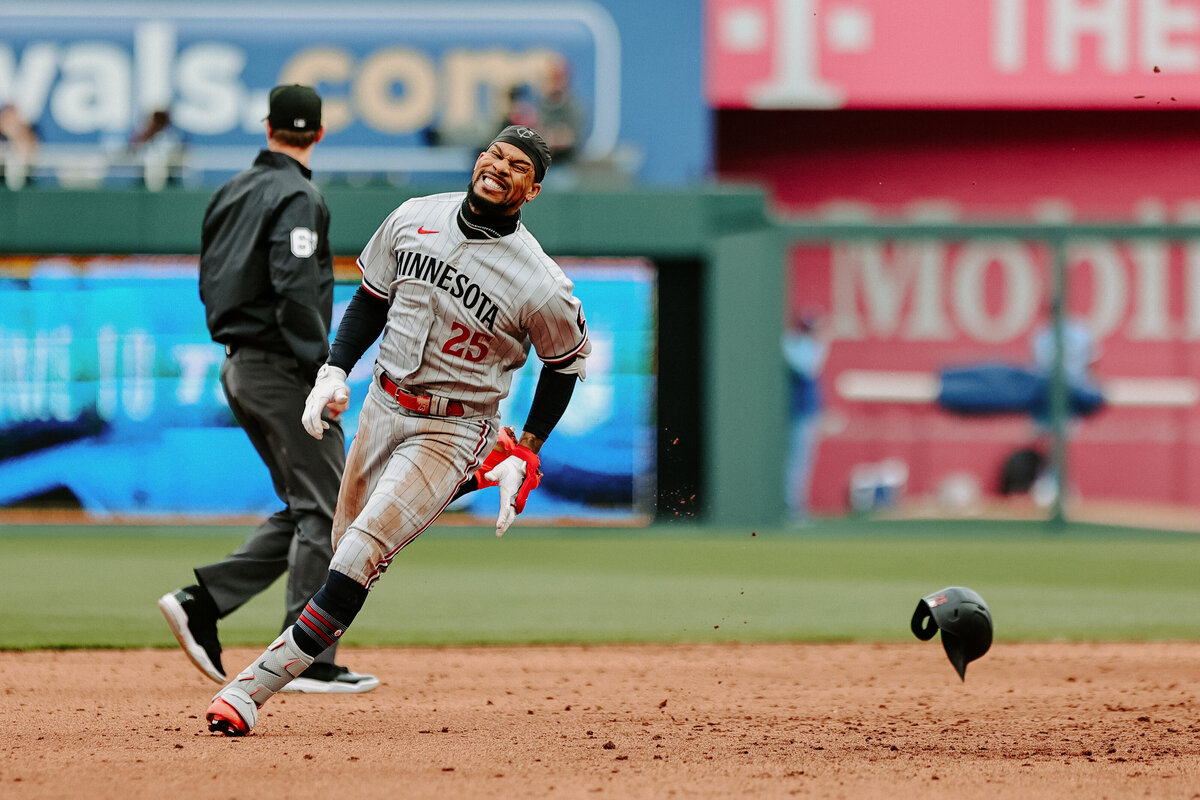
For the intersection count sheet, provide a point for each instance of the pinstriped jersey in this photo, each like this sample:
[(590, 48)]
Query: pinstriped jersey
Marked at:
[(464, 311)]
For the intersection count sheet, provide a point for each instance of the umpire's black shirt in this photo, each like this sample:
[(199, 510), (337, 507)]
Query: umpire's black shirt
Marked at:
[(266, 270)]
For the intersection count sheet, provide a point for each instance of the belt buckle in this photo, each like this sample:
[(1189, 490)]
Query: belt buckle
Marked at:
[(393, 392)]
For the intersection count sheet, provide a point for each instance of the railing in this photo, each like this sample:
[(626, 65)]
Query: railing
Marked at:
[(90, 166)]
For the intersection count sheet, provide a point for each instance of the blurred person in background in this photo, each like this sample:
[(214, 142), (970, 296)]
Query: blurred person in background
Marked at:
[(518, 110), (158, 146), (1080, 354), (266, 279), (559, 115), (804, 352), (18, 146), (1080, 351)]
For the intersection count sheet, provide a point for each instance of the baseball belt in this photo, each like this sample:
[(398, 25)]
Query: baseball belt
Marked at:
[(423, 403)]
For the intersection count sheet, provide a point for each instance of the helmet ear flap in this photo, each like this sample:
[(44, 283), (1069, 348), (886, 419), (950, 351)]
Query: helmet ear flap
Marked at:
[(923, 625)]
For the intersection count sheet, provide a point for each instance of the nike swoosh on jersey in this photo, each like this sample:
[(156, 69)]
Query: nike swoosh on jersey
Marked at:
[(422, 230)]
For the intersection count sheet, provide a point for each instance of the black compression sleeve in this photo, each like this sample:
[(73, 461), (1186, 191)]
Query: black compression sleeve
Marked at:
[(360, 327), (550, 400)]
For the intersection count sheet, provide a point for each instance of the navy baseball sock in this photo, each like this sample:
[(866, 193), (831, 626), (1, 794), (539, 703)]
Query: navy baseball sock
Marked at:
[(329, 613)]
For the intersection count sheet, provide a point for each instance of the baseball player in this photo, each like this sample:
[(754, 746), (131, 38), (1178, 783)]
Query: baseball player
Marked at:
[(459, 289)]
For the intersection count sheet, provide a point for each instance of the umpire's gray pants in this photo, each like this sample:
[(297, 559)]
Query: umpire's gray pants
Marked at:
[(266, 393)]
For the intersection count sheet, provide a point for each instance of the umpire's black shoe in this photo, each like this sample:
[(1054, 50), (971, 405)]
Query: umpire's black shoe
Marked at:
[(194, 624), (321, 678)]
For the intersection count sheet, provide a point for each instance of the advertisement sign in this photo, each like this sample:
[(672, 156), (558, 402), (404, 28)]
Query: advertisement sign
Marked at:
[(952, 54), (901, 318), (110, 396), (408, 88)]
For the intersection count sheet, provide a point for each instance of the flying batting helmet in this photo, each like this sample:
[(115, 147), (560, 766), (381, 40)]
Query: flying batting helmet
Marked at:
[(964, 620)]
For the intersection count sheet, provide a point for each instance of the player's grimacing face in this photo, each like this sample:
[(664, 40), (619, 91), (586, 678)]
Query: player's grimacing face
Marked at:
[(503, 179)]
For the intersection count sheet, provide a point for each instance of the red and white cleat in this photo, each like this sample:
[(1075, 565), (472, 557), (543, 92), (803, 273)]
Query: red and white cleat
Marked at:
[(232, 712)]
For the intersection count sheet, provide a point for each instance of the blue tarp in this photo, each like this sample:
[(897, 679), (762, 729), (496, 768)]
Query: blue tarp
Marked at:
[(999, 388)]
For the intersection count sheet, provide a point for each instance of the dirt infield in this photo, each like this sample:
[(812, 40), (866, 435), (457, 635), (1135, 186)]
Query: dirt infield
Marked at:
[(852, 721)]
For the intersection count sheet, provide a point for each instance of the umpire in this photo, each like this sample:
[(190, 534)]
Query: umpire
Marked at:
[(266, 280)]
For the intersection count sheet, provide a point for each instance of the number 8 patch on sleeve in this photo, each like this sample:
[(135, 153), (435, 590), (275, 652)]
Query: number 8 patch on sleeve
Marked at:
[(304, 242)]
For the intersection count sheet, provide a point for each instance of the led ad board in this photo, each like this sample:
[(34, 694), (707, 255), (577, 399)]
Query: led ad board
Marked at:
[(111, 402)]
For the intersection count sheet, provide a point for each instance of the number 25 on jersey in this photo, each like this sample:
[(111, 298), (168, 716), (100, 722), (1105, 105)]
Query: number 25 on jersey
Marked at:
[(473, 350)]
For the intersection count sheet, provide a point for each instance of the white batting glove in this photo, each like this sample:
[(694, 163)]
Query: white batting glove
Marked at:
[(515, 477), (330, 391), (509, 474)]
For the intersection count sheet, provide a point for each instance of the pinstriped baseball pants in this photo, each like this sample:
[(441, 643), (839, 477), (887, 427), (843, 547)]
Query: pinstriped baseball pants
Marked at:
[(402, 471)]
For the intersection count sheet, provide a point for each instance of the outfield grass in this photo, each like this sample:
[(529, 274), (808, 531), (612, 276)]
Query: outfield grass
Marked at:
[(96, 586)]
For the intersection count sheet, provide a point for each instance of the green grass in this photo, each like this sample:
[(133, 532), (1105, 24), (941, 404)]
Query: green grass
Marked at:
[(96, 586)]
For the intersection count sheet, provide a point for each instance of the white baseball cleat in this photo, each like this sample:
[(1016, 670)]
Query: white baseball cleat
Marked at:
[(322, 678), (232, 712)]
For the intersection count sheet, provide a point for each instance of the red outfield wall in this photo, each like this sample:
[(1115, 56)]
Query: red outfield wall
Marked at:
[(924, 306)]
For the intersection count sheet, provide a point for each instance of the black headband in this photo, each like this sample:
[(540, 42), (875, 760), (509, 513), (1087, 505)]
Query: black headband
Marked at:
[(531, 144)]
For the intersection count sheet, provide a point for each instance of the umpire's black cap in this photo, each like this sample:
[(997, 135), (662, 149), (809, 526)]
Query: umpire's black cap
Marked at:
[(294, 108), (964, 620)]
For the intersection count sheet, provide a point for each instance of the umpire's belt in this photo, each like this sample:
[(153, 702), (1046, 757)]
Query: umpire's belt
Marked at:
[(422, 404)]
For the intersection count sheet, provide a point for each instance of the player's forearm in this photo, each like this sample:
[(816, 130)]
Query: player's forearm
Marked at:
[(531, 441), (550, 400), (361, 325)]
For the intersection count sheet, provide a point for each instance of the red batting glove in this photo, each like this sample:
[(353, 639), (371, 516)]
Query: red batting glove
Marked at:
[(533, 475), (505, 442)]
